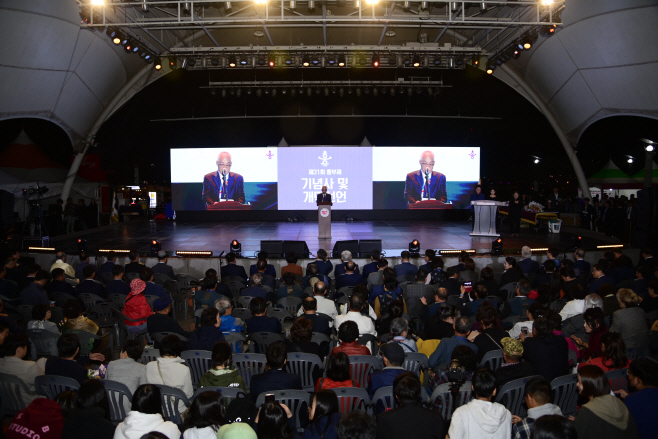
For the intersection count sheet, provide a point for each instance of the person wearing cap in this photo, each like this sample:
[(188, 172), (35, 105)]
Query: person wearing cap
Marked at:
[(160, 321), (393, 358), (136, 307), (512, 367), (162, 267)]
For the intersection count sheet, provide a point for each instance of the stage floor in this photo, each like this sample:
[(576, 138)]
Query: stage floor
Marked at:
[(395, 236)]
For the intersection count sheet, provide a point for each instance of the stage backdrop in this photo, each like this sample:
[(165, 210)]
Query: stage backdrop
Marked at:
[(358, 178)]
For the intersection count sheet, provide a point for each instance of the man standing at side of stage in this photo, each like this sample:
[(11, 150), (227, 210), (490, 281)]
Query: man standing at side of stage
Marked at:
[(223, 184), (426, 183)]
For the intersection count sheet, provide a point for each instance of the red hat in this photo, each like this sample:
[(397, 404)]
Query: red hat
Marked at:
[(137, 286), (42, 418)]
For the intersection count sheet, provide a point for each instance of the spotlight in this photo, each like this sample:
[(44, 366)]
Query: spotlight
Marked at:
[(214, 61), (630, 160), (315, 61), (406, 61), (437, 60), (261, 61), (342, 61), (311, 5), (155, 247), (576, 242), (497, 247), (113, 33), (649, 148), (158, 64), (173, 63), (476, 61), (243, 61), (331, 60), (232, 61), (536, 160), (527, 43), (516, 54), (375, 60), (236, 247), (416, 61), (82, 245), (306, 61), (414, 247), (270, 61), (490, 70)]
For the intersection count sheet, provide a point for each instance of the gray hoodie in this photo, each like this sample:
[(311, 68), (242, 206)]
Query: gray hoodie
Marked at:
[(481, 419), (543, 410)]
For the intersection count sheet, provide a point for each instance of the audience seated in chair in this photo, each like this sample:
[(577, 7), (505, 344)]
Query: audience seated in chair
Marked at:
[(345, 257), (350, 277), (34, 293), (152, 289), (160, 321), (300, 338), (146, 416), (229, 323), (290, 287), (256, 290), (488, 337), (356, 304), (91, 413), (324, 415), (128, 369), (76, 321), (66, 364), (58, 284), (170, 369), (441, 356), (108, 265), (481, 417), (393, 358), (208, 333), (512, 368), (321, 323), (409, 419), (15, 347), (90, 285), (161, 266), (348, 334), (325, 306), (338, 373), (463, 358), (538, 399), (222, 373), (292, 267), (205, 416), (643, 402), (211, 292), (232, 269), (134, 266), (118, 286), (274, 378), (548, 353), (263, 257), (261, 322)]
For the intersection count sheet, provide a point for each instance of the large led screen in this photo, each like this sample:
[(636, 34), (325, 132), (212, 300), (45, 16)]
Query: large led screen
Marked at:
[(355, 177)]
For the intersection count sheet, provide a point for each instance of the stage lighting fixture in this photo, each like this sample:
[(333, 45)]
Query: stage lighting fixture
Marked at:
[(155, 247), (576, 242), (490, 69), (475, 61), (451, 62), (331, 60), (261, 61), (414, 247), (497, 247), (270, 61), (630, 159), (406, 61), (243, 61), (516, 54), (214, 61), (375, 60), (306, 61), (82, 245), (128, 46), (193, 253), (372, 2), (113, 33), (158, 64), (228, 6), (97, 2), (416, 61), (311, 5), (547, 30), (527, 43), (315, 61), (392, 60), (536, 160), (342, 61), (184, 64), (236, 247), (41, 249), (546, 2), (232, 62)]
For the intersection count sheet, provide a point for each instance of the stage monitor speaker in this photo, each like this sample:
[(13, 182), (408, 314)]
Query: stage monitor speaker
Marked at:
[(366, 246), (340, 246), (274, 249), (299, 248)]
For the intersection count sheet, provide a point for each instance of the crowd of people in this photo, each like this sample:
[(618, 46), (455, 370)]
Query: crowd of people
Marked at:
[(549, 320)]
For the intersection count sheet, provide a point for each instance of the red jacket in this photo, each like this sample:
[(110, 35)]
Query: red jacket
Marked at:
[(136, 308), (328, 383), (353, 348)]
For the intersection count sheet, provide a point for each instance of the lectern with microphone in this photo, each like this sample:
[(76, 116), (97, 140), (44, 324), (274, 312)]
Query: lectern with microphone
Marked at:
[(324, 219)]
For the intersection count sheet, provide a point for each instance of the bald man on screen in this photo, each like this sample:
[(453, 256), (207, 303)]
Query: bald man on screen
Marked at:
[(223, 184), (426, 183)]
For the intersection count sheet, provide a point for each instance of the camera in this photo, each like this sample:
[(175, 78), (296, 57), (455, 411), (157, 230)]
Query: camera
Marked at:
[(457, 374)]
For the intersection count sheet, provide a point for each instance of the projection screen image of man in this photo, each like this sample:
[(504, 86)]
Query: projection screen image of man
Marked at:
[(223, 185), (425, 184)]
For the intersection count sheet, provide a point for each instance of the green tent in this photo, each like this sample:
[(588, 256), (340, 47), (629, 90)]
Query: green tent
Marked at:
[(639, 176), (611, 177)]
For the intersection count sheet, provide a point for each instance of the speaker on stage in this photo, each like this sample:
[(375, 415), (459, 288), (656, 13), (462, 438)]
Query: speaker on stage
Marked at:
[(366, 246), (340, 246), (299, 248), (274, 249)]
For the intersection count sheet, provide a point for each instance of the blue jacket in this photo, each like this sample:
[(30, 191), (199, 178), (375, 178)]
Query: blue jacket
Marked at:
[(163, 268), (204, 338), (405, 268), (582, 268), (273, 379), (268, 270), (596, 283), (79, 268), (348, 280), (233, 270), (106, 267), (228, 325), (90, 286), (378, 291), (529, 266), (443, 353), (263, 324), (324, 428), (383, 378), (34, 294), (324, 267), (369, 268)]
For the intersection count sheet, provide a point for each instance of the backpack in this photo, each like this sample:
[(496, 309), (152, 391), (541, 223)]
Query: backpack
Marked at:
[(437, 276)]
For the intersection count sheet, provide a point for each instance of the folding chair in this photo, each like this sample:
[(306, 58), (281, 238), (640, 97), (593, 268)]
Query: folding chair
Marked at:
[(370, 341), (511, 395), (123, 328), (43, 343), (492, 359), (442, 400), (149, 354), (362, 366), (417, 363), (119, 398), (290, 304), (118, 300), (161, 279), (281, 314), (86, 343), (244, 301), (248, 365), (102, 314), (296, 400), (228, 393), (383, 399), (304, 365), (242, 313), (261, 340), (171, 400), (131, 276), (90, 300), (352, 398), (565, 393), (510, 288), (52, 385), (344, 292), (106, 277), (199, 363), (618, 379), (237, 340), (11, 390), (158, 336)]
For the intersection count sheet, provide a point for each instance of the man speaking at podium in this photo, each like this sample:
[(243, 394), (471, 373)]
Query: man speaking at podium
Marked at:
[(324, 196), (425, 184), (223, 184)]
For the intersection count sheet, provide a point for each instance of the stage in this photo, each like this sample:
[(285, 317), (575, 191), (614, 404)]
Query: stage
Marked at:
[(395, 236)]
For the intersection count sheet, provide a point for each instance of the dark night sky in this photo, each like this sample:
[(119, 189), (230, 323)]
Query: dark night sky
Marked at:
[(131, 137)]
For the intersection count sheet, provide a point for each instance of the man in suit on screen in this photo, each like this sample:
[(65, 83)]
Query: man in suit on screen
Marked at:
[(223, 184), (426, 183), (324, 196)]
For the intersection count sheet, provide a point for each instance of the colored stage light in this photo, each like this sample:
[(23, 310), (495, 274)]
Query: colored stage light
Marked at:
[(576, 242), (155, 247), (193, 253), (236, 247), (497, 247), (41, 249), (414, 247), (82, 245)]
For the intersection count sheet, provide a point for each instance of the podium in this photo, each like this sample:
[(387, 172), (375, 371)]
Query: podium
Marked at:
[(324, 220), (430, 204), (228, 205), (485, 217)]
